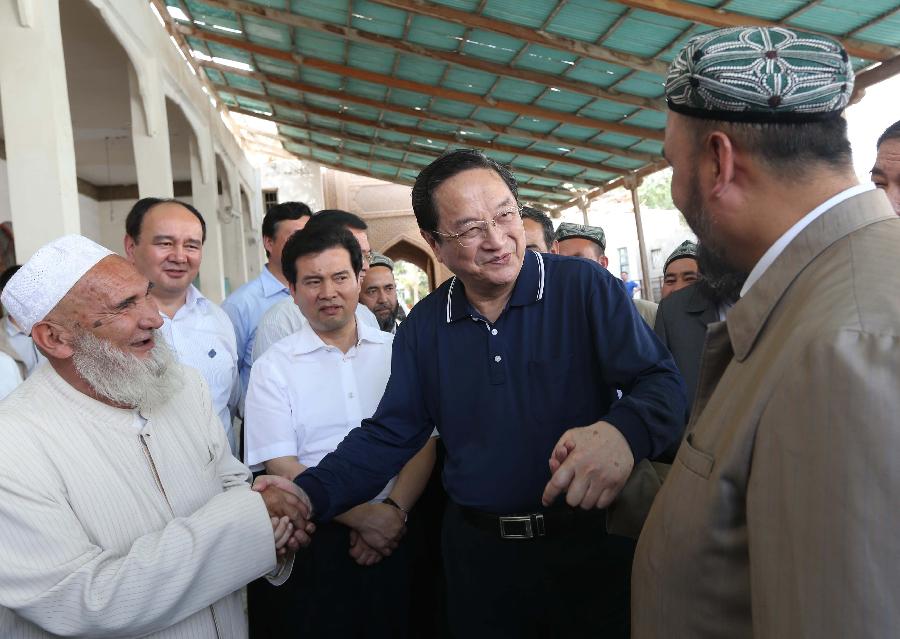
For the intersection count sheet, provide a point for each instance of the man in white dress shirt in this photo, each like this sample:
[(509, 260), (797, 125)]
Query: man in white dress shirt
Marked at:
[(284, 317), (164, 240), (306, 393), (122, 511)]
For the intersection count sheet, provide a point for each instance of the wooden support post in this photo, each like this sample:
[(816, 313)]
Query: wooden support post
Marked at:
[(632, 183)]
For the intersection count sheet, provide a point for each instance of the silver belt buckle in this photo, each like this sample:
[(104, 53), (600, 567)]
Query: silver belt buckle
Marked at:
[(529, 532)]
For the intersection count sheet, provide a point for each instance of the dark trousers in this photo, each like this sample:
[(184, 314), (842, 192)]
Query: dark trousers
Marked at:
[(330, 596), (569, 584)]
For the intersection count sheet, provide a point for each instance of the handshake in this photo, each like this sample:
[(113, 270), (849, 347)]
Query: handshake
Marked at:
[(289, 510)]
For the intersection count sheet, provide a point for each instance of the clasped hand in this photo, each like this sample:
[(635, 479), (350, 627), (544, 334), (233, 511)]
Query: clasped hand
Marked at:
[(289, 510)]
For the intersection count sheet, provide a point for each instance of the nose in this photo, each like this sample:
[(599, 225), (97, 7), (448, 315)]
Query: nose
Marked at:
[(381, 296), (178, 255), (150, 317), (326, 290), (893, 193), (494, 235)]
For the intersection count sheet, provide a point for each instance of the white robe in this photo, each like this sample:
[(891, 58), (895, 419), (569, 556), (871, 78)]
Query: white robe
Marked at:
[(92, 545)]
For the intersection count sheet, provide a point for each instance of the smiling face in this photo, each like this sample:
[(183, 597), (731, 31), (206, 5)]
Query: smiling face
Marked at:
[(680, 273), (168, 249), (327, 290), (886, 172), (492, 263), (379, 293)]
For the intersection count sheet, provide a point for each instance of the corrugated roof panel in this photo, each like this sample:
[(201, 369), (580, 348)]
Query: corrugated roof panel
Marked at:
[(594, 174), (833, 18), (398, 119), (462, 5), (575, 132), (371, 58), (885, 32), (535, 124), (479, 136), (390, 136), (325, 123), (355, 163), (531, 163), (495, 116), (278, 91), (501, 156), (546, 147), (290, 114), (563, 172), (320, 78), (468, 81), (409, 174), (648, 119), (530, 13), (599, 73), (518, 90), (768, 9), (384, 170), (327, 10), (358, 129), (588, 156), (242, 82), (366, 89), (210, 16), (228, 52), (322, 102), (214, 75), (435, 148), (408, 98), (419, 160), (649, 146), (319, 45), (302, 149), (275, 67), (648, 85), (452, 108), (362, 111), (271, 34), (617, 139), (434, 33), (325, 156), (489, 45), (606, 110), (538, 58), (357, 147), (585, 19), (273, 4), (437, 127), (419, 69), (625, 163), (388, 154), (321, 140), (561, 100), (293, 131), (507, 140), (253, 105), (368, 16), (645, 34)]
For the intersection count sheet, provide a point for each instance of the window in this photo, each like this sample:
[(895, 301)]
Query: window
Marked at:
[(623, 260), (270, 197), (656, 261)]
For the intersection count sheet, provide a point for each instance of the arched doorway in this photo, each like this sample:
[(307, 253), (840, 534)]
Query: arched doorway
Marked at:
[(405, 250)]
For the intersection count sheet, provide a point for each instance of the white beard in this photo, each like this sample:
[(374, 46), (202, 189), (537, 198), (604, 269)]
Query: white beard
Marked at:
[(126, 379)]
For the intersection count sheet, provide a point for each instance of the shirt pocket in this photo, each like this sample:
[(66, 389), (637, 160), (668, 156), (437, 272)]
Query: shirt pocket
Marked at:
[(695, 460), (554, 393)]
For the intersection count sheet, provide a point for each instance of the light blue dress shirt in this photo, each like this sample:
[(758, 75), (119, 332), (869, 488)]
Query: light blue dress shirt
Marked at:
[(245, 307), (202, 337)]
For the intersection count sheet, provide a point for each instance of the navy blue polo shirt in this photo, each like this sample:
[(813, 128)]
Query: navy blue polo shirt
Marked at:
[(501, 394)]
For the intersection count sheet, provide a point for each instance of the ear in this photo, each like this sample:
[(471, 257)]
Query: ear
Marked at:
[(268, 243), (53, 340), (428, 237), (129, 247), (722, 153), (554, 248), (604, 261)]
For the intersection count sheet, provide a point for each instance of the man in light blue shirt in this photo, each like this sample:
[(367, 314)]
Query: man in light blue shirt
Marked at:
[(164, 240), (246, 305)]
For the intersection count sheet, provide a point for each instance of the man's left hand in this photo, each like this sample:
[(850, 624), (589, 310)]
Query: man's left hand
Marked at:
[(591, 465)]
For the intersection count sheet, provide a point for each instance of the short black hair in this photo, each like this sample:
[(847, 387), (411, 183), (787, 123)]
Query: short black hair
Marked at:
[(136, 215), (890, 133), (281, 212), (788, 149), (6, 275), (315, 240), (529, 213), (444, 168), (336, 218)]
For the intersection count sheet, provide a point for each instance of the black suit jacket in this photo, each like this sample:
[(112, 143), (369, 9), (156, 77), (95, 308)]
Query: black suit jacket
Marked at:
[(681, 322)]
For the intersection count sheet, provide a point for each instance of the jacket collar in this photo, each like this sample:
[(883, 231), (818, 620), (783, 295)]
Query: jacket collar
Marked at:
[(529, 288), (748, 317)]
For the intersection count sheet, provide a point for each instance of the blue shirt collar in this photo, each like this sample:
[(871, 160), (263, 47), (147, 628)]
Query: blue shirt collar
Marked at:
[(529, 288), (270, 284)]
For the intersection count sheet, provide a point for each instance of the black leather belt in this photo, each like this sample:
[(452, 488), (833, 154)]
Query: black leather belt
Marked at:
[(524, 525)]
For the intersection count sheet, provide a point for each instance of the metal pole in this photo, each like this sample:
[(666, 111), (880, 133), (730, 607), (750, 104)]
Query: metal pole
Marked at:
[(632, 183)]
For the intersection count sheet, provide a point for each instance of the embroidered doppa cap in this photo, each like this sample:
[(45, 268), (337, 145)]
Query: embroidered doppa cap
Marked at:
[(760, 74), (685, 249), (45, 279), (567, 231), (380, 260)]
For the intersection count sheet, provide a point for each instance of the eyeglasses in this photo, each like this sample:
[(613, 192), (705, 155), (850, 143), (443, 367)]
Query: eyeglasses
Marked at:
[(476, 231)]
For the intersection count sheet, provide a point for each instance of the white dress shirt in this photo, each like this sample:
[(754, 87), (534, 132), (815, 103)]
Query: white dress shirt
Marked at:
[(781, 243), (305, 396), (285, 318), (203, 338)]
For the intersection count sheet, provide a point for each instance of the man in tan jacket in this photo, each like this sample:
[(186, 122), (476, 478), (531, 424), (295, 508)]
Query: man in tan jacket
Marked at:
[(122, 511), (779, 517)]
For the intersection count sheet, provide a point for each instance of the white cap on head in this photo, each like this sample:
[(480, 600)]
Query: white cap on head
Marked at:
[(44, 280)]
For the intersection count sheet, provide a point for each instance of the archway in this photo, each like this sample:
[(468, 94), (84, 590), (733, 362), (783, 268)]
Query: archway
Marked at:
[(404, 249)]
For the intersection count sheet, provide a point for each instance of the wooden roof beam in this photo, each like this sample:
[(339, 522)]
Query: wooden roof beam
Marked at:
[(454, 58), (874, 75), (614, 184), (427, 89), (552, 157), (722, 18), (568, 45)]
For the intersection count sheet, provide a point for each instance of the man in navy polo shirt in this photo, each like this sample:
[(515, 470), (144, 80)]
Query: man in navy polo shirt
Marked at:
[(515, 359)]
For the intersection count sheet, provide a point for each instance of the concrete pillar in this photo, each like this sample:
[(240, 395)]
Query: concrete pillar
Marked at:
[(237, 260), (37, 124), (206, 199), (150, 134)]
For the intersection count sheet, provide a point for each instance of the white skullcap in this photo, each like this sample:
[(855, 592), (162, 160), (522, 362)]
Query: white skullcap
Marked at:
[(44, 280)]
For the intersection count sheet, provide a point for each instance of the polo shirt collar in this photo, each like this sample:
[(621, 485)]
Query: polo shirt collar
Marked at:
[(270, 284), (529, 288)]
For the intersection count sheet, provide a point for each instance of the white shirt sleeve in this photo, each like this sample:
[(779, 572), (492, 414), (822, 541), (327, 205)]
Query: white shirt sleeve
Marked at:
[(268, 419), (9, 375)]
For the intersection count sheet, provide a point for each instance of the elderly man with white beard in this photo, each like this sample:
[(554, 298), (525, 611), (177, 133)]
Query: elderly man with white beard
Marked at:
[(122, 511)]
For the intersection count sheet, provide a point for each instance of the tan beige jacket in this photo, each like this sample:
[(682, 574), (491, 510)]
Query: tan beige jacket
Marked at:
[(781, 515)]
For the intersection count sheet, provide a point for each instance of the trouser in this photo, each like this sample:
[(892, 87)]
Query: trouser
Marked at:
[(330, 596), (571, 583)]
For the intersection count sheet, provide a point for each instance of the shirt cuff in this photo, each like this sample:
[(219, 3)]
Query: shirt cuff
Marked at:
[(318, 497), (633, 430)]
